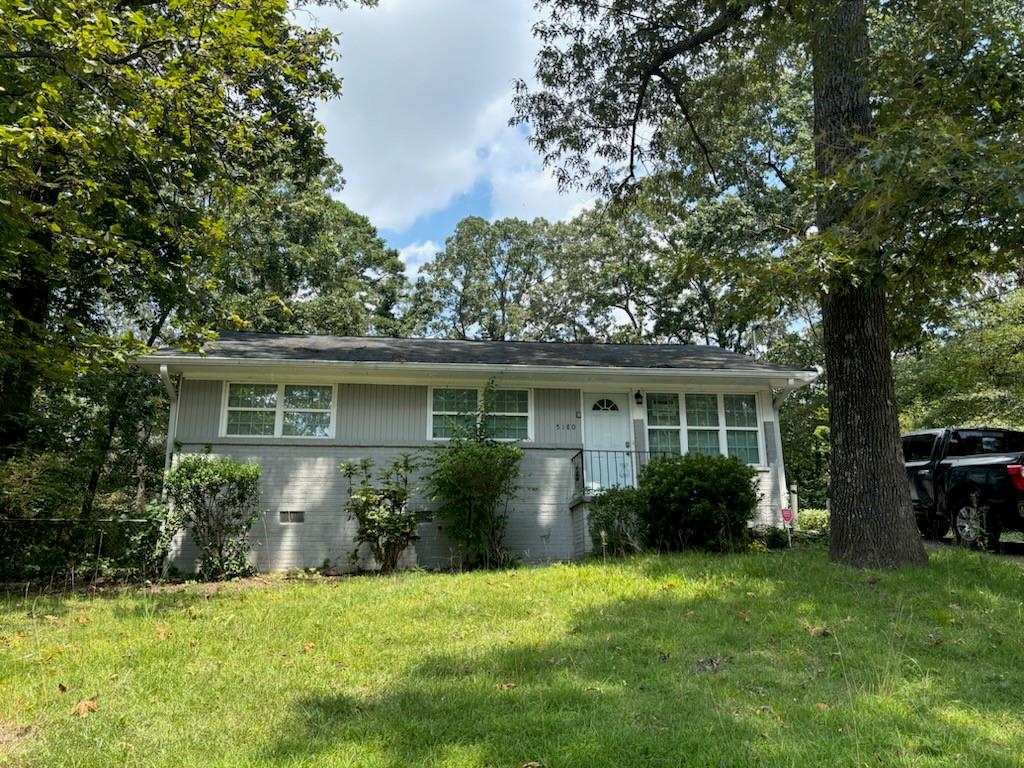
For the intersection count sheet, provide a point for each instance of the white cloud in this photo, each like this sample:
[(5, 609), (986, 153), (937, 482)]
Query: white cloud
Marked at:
[(424, 114), (415, 255)]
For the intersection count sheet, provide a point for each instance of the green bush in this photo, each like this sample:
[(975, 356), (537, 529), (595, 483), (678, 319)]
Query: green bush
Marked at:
[(382, 512), (473, 479), (217, 499), (769, 537), (698, 501), (615, 524), (811, 519)]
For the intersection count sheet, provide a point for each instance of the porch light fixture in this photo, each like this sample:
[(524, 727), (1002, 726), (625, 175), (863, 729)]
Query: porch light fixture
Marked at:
[(638, 398)]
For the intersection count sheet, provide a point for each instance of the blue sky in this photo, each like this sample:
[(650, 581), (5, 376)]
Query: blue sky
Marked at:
[(422, 126)]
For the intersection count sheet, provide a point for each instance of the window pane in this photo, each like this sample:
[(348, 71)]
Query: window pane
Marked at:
[(664, 441), (702, 441), (302, 396), (702, 411), (507, 427), (306, 424), (740, 411), (510, 401), (450, 426), (455, 400), (252, 395), (663, 410), (743, 445), (250, 423), (918, 447)]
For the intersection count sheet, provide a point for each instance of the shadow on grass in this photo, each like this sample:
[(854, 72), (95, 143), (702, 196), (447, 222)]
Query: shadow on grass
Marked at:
[(756, 664)]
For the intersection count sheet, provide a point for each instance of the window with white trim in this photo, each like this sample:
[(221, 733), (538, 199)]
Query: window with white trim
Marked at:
[(663, 424), (454, 411), (704, 423), (508, 414), (741, 437), (279, 410)]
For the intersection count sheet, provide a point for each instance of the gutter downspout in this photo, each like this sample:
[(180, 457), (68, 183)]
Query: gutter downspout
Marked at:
[(777, 405), (172, 418)]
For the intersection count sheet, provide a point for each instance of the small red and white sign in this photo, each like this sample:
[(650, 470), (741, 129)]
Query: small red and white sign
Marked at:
[(787, 515)]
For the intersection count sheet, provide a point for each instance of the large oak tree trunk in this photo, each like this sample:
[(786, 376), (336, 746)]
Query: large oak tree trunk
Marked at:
[(872, 521)]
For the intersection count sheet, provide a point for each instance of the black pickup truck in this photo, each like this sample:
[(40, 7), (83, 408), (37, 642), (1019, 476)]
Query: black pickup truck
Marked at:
[(970, 479)]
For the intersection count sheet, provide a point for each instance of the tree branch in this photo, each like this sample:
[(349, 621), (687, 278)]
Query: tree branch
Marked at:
[(677, 95), (704, 35), (786, 181)]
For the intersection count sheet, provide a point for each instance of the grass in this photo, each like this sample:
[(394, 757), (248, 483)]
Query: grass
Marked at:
[(779, 659)]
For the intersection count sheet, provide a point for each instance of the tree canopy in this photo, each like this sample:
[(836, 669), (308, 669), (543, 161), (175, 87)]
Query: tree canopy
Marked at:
[(126, 125), (896, 123)]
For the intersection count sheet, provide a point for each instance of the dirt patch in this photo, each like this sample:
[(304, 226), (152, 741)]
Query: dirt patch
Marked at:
[(14, 738)]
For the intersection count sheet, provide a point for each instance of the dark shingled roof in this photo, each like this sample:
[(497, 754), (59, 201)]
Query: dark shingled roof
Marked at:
[(281, 346)]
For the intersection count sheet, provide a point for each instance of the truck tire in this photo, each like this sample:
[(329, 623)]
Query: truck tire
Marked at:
[(972, 526)]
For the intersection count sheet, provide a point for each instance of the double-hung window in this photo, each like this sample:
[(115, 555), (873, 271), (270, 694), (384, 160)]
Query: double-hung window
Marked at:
[(278, 410), (704, 423), (454, 412), (741, 438), (663, 424)]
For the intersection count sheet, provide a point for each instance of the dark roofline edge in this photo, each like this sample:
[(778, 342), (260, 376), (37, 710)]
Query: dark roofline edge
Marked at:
[(156, 361)]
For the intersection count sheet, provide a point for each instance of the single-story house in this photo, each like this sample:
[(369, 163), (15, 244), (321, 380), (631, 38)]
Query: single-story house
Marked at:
[(586, 415)]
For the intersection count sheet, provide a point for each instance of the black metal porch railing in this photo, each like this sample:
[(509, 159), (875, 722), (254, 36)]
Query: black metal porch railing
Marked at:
[(596, 471)]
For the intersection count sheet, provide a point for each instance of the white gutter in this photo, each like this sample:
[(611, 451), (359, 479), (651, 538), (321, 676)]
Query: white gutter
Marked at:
[(172, 416), (804, 377)]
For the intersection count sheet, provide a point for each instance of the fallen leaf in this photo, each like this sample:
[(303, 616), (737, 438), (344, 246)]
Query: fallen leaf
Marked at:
[(822, 706), (745, 615), (62, 688), (667, 585), (84, 708), (192, 642), (161, 632), (506, 686), (307, 647), (82, 619), (816, 631), (532, 764), (934, 639)]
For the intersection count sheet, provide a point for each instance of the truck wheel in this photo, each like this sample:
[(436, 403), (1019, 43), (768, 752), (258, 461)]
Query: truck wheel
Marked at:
[(971, 525)]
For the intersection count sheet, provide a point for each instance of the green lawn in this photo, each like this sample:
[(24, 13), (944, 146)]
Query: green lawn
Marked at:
[(779, 659)]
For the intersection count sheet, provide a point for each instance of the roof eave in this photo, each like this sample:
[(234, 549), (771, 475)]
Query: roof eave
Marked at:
[(183, 363)]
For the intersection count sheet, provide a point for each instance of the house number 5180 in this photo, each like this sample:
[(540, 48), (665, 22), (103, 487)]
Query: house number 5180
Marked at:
[(565, 426)]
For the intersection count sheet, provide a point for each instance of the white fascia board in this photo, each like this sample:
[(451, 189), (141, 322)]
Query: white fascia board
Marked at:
[(210, 367)]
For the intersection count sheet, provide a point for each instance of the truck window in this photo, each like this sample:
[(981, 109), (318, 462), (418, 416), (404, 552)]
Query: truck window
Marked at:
[(918, 447), (975, 442)]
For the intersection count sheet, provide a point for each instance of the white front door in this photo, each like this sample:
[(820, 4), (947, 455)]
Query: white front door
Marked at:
[(608, 455)]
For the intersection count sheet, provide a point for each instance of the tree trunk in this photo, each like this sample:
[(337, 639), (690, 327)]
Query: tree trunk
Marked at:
[(872, 521)]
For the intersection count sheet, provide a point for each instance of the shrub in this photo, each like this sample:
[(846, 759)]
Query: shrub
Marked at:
[(811, 519), (216, 497), (474, 479), (770, 537), (615, 521), (385, 523), (698, 501)]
